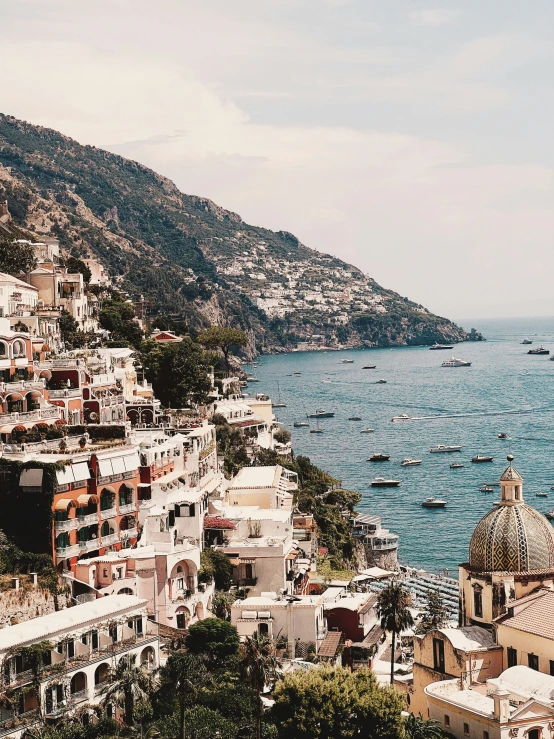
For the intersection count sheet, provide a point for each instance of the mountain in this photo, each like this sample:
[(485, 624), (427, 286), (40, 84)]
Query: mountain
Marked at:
[(192, 259)]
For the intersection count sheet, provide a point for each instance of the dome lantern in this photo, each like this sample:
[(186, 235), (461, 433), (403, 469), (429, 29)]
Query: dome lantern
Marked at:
[(511, 485)]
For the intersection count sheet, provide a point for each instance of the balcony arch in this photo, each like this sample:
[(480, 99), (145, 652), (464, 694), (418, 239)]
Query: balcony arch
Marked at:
[(78, 684), (14, 403), (32, 400), (19, 349), (148, 658), (101, 674), (107, 529), (127, 522), (107, 498), (125, 591), (4, 350)]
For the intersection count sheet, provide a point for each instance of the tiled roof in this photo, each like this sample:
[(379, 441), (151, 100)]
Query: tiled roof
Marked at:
[(330, 644), (535, 617)]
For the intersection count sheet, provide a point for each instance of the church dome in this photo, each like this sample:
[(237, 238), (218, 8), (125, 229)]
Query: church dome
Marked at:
[(513, 537)]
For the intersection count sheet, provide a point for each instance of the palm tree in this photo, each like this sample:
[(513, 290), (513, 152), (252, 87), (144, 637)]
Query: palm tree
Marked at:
[(392, 609), (258, 666), (187, 674), (416, 727), (127, 684)]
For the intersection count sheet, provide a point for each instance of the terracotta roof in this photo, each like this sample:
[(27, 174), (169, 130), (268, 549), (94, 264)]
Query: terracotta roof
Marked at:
[(330, 644), (374, 637), (535, 617)]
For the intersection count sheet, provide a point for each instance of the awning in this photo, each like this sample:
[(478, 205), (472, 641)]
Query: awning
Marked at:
[(65, 476), (118, 465), (64, 503), (31, 478), (131, 462), (81, 470), (85, 499), (144, 485), (235, 562), (105, 467)]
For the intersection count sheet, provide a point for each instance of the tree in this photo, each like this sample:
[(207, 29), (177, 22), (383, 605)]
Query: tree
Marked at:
[(416, 727), (16, 258), (118, 317), (214, 638), (333, 703), (259, 668), (223, 338), (205, 723), (179, 373), (215, 565), (186, 674), (127, 685), (282, 436), (392, 609), (435, 615), (75, 266)]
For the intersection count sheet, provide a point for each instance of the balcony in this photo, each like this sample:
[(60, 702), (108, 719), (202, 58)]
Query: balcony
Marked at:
[(89, 545), (127, 508), (88, 519), (109, 540), (73, 392), (81, 695), (65, 552), (108, 513), (129, 533), (100, 688), (68, 525)]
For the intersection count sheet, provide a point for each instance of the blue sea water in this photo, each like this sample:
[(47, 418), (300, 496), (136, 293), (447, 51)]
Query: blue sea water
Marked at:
[(505, 390)]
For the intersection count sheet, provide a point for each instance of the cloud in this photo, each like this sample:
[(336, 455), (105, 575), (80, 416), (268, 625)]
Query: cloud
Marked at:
[(434, 16)]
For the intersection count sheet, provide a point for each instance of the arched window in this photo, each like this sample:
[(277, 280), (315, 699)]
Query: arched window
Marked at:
[(263, 629), (3, 350), (478, 602), (19, 349)]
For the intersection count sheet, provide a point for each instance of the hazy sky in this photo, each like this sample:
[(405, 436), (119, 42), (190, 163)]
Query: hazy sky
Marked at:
[(413, 139)]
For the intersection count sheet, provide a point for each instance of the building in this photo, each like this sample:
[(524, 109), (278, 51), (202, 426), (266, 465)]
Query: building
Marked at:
[(266, 487), (519, 703), (352, 613), (17, 298), (87, 641), (380, 545)]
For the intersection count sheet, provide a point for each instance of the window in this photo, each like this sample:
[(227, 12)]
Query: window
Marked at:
[(485, 735), (84, 639), (447, 721), (438, 655), (533, 661), (94, 639), (71, 648), (466, 729), (478, 603), (263, 629), (512, 657), (180, 583), (105, 570), (533, 734), (552, 666), (113, 632)]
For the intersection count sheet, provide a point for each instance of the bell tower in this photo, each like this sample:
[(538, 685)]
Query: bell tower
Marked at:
[(511, 485)]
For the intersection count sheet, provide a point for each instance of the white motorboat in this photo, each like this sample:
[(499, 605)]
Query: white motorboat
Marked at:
[(367, 431), (455, 363), (402, 417), (381, 482), (301, 424), (410, 462), (436, 346), (444, 448), (486, 489), (526, 341), (433, 503), (347, 361)]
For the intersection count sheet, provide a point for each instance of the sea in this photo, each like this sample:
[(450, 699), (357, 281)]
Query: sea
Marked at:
[(504, 391)]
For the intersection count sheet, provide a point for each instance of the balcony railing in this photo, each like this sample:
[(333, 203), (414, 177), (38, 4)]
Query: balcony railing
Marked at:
[(108, 513), (88, 519), (89, 545), (127, 508), (68, 525), (81, 695), (99, 689), (22, 385), (73, 392), (41, 413), (64, 552), (16, 723), (129, 533), (109, 539)]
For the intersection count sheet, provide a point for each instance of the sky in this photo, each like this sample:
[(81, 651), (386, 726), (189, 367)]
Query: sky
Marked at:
[(412, 139)]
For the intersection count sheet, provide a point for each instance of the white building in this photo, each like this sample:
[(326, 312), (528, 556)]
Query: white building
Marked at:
[(266, 487)]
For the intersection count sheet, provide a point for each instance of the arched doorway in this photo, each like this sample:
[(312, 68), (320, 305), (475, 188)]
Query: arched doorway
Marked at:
[(182, 616), (78, 686), (101, 674), (148, 658)]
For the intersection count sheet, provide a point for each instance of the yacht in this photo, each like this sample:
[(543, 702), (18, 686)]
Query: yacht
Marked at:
[(402, 417), (367, 431), (526, 341), (381, 482), (481, 458), (316, 431), (347, 361), (550, 515), (297, 374), (456, 466), (381, 382), (251, 378), (279, 403), (300, 424), (541, 495), (433, 503), (504, 435), (408, 462), (321, 414), (379, 457), (436, 346), (486, 489), (444, 448), (369, 366), (355, 418), (539, 350), (455, 363)]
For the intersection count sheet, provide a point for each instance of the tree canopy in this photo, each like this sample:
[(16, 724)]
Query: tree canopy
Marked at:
[(214, 638), (223, 338), (333, 703), (393, 610), (16, 258)]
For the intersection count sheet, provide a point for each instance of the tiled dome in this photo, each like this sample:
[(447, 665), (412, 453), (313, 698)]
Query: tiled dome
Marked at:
[(512, 538)]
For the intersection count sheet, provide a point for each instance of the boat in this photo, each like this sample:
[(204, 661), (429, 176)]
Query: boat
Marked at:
[(526, 341), (456, 466), (251, 378), (552, 359), (481, 458), (381, 482), (355, 418), (381, 382), (444, 448), (369, 366), (347, 361), (436, 346), (379, 457), (402, 417), (367, 431), (486, 489), (317, 430), (279, 404), (408, 462), (300, 424), (321, 414), (433, 503), (541, 495), (455, 363), (297, 374), (549, 515), (503, 435), (539, 350)]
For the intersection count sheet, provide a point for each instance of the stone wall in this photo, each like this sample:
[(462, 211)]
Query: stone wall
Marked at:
[(387, 559), (24, 604)]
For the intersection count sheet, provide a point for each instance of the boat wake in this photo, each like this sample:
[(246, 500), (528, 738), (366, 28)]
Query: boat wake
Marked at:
[(510, 412)]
